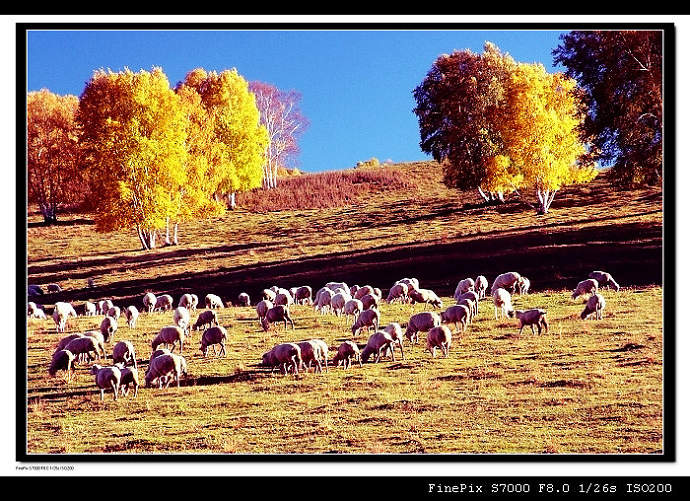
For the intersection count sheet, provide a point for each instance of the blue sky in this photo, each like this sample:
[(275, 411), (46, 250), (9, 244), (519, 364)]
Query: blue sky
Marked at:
[(356, 85)]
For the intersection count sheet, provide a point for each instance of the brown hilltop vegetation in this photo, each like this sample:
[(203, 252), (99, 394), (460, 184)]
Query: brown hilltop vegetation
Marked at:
[(378, 225)]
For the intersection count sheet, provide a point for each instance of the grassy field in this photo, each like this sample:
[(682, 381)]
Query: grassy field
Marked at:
[(585, 387)]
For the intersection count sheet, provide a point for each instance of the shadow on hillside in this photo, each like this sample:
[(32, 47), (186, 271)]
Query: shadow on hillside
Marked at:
[(60, 222)]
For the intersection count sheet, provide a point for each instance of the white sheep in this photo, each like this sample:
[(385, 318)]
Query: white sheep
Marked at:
[(169, 335), (212, 337), (421, 322), (85, 345), (456, 314), (370, 301), (283, 298), (481, 284), (366, 319), (285, 355), (397, 293), (505, 281), (104, 306), (62, 360), (108, 328), (595, 305), (60, 320), (353, 307), (206, 318), (302, 295), (335, 286), (589, 286), (523, 285), (378, 343), (262, 308), (165, 368), (65, 341), (471, 306), (322, 303), (346, 352), (132, 314), (310, 352), (129, 376), (268, 294), (99, 339), (363, 291), (531, 317), (195, 302), (396, 333), (182, 318), (354, 289), (149, 301), (463, 286), (338, 303), (114, 312), (502, 300), (35, 311), (107, 377), (439, 337), (123, 352), (90, 309), (243, 299), (604, 279), (378, 293), (213, 301), (324, 351), (276, 314), (425, 296), (186, 300), (412, 283), (163, 303)]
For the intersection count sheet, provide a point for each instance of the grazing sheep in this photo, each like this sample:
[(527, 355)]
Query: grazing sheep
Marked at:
[(212, 337), (186, 300), (100, 339), (334, 286), (370, 301), (276, 314), (421, 322), (60, 320), (396, 334), (366, 319), (169, 335), (346, 352), (262, 308), (108, 328), (163, 303), (107, 377), (456, 314), (63, 360), (114, 312), (34, 290), (65, 309), (505, 281), (502, 300), (90, 309), (324, 351), (425, 296), (104, 306), (165, 368), (531, 317), (472, 296), (243, 299), (124, 352), (481, 284), (268, 294), (30, 308), (128, 376), (439, 337), (412, 283), (338, 303), (303, 295), (35, 311), (379, 343), (195, 302), (158, 353), (213, 301), (181, 318), (53, 288), (589, 286), (595, 305), (285, 356), (206, 318), (323, 300), (463, 286), (354, 289), (65, 341), (470, 305), (604, 279), (149, 301), (523, 285), (353, 307), (84, 345), (398, 293), (378, 293), (131, 314), (363, 291), (283, 298), (310, 352)]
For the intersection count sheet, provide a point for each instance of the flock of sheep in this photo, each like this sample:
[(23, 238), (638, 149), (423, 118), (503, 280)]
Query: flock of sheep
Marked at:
[(360, 303)]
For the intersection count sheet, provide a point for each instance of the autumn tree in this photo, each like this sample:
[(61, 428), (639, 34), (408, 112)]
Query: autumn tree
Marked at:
[(54, 174), (285, 123), (134, 133), (621, 74), (231, 140)]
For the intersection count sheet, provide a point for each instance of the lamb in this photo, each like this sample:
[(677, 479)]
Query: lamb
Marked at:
[(186, 300), (353, 307), (604, 279), (481, 284), (60, 319), (53, 288), (243, 299), (128, 376), (165, 368), (523, 285), (531, 317), (107, 377), (456, 314), (206, 318), (346, 352), (310, 352), (149, 301), (425, 296), (169, 335), (396, 334), (502, 300), (324, 351), (470, 305), (363, 291), (132, 314), (303, 295), (323, 300), (439, 337), (213, 301), (368, 318), (181, 318), (262, 308), (212, 337), (283, 298), (379, 343), (85, 345), (89, 309), (63, 360), (123, 352), (35, 311), (595, 305), (268, 294), (463, 286), (65, 309), (506, 280), (370, 301), (589, 286), (108, 328), (421, 322), (164, 303), (276, 314), (285, 356), (397, 293)]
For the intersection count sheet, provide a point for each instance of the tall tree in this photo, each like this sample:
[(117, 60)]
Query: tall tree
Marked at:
[(54, 177), (621, 73), (134, 150), (284, 121)]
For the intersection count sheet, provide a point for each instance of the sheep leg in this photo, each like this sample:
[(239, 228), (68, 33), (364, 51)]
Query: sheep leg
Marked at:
[(222, 349), (532, 327)]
